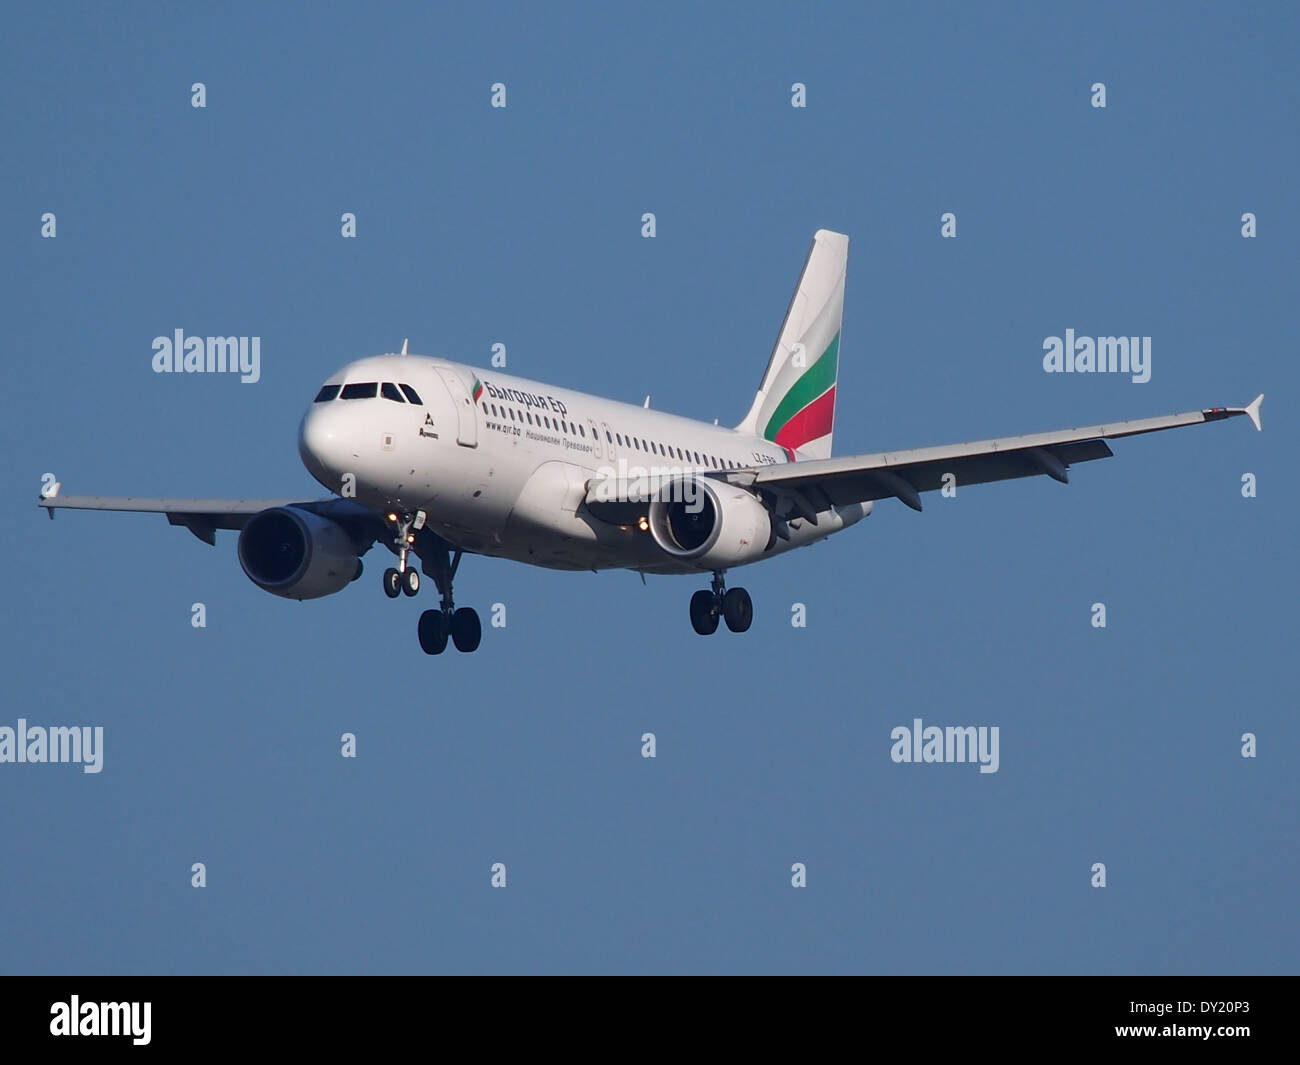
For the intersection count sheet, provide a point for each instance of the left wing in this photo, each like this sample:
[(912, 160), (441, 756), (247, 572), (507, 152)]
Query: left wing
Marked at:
[(814, 485), (204, 516)]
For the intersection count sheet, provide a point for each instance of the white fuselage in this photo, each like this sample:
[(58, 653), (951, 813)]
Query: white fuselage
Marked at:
[(506, 474)]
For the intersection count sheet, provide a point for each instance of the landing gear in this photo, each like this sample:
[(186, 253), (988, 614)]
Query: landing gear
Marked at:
[(466, 632), (433, 632), (436, 626), (398, 581), (704, 612), (737, 610), (461, 625), (405, 578), (734, 607)]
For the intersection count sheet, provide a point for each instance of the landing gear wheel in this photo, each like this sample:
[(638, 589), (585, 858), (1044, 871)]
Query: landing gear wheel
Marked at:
[(737, 610), (392, 583), (433, 632), (704, 615), (411, 580), (466, 631)]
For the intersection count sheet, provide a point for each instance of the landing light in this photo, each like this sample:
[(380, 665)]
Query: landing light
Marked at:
[(410, 539), (642, 524), (392, 518)]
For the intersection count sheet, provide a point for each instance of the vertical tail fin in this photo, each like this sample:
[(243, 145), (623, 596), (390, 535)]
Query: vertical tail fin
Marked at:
[(795, 405)]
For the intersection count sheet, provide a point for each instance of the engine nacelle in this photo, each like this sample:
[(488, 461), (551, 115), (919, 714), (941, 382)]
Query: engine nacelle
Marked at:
[(710, 523), (297, 554)]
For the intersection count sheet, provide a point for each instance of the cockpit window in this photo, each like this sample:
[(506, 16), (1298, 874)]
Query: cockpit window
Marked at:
[(326, 393), (412, 394), (360, 391), (389, 391)]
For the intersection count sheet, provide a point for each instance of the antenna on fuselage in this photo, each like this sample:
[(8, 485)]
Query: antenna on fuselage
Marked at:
[(646, 404), (404, 343)]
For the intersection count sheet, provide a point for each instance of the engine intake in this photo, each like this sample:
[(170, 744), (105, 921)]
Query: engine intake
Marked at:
[(297, 554), (711, 523)]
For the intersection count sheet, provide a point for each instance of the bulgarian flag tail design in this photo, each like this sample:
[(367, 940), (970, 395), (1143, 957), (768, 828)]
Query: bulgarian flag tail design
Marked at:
[(478, 389), (795, 405)]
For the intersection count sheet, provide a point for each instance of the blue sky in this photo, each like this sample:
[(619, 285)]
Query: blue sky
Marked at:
[(522, 226)]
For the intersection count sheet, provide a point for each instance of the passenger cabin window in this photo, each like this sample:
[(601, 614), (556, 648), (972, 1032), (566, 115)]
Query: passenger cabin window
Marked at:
[(368, 390), (389, 391), (327, 393), (411, 394)]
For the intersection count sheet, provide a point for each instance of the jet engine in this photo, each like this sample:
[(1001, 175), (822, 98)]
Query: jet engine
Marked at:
[(710, 523), (296, 554)]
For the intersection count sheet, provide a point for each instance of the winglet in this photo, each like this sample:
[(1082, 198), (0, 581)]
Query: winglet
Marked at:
[(1252, 411), (50, 494)]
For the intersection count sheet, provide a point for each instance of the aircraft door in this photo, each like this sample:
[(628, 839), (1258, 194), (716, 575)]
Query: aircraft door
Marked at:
[(466, 410)]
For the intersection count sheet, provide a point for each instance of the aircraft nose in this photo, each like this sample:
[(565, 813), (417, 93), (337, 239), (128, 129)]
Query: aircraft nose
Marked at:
[(324, 443)]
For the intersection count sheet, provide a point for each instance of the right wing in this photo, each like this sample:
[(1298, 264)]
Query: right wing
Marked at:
[(812, 485)]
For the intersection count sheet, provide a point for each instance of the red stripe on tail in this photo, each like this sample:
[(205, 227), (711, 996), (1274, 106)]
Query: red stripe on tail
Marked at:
[(814, 421)]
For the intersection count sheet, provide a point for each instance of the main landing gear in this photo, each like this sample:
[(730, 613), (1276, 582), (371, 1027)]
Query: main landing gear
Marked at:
[(734, 607), (436, 626)]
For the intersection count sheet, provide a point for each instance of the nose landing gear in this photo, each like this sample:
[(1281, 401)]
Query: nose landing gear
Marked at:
[(404, 578), (398, 581)]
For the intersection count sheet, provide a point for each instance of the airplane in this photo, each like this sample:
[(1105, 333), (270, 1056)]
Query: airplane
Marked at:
[(438, 459)]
